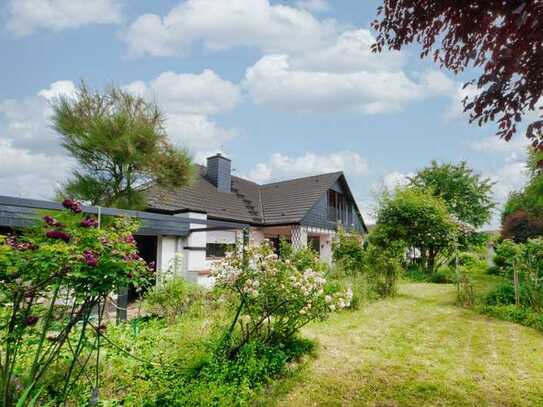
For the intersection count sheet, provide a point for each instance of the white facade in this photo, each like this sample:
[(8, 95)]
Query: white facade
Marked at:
[(186, 257)]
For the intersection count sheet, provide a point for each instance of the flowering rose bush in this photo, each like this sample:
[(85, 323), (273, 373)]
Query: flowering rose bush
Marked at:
[(275, 298), (51, 278)]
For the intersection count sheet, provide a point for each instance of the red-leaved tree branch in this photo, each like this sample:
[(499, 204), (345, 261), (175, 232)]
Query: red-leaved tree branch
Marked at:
[(504, 38)]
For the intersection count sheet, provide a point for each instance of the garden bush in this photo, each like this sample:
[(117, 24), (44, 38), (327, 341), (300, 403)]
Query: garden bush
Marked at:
[(384, 268), (348, 251), (275, 297), (358, 283), (505, 254), (172, 298), (442, 276), (520, 315), (53, 277), (527, 260)]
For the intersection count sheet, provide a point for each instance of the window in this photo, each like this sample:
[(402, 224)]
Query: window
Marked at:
[(337, 207), (218, 250)]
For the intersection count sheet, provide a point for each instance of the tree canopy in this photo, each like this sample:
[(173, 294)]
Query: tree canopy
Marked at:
[(420, 220), (502, 37), (522, 216), (467, 195), (120, 144)]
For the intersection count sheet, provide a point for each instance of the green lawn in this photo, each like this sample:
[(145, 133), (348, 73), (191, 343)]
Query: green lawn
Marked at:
[(418, 349)]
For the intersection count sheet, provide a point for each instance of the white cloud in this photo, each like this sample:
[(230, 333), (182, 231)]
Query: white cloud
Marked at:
[(27, 16), (226, 24), (316, 6), (368, 209), (57, 89), (456, 107), (281, 166), (197, 132), (494, 144), (273, 82), (32, 161), (261, 174), (510, 177), (188, 100), (349, 52), (396, 179), (204, 93), (26, 122), (30, 174), (438, 83)]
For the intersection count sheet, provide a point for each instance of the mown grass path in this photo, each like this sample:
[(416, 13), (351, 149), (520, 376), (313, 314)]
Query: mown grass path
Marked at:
[(419, 350)]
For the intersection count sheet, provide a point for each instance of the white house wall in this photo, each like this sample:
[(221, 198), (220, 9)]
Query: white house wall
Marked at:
[(195, 243), (326, 248), (166, 251), (223, 236), (256, 237)]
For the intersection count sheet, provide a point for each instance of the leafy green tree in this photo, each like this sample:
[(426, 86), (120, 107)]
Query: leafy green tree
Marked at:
[(120, 144), (467, 195), (535, 162), (419, 220)]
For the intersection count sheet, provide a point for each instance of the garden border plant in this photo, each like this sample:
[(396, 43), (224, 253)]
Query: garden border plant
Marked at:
[(54, 276), (274, 296)]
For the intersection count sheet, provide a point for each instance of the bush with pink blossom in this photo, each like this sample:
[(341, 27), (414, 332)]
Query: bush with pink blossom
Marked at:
[(52, 278)]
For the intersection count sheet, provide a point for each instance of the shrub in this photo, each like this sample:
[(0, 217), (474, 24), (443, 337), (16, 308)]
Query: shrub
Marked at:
[(358, 283), (274, 298), (172, 298), (503, 294), (527, 260), (65, 259), (348, 251), (222, 381), (465, 296), (520, 315), (384, 268), (504, 257), (301, 259), (440, 277), (416, 273)]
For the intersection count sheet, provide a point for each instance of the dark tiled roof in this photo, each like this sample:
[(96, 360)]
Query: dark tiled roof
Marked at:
[(289, 201), (276, 203), (202, 195)]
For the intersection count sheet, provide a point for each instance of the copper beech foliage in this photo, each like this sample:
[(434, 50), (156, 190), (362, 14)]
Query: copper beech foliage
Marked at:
[(504, 38)]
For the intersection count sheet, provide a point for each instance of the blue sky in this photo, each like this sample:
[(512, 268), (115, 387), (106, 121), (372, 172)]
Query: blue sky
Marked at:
[(286, 89)]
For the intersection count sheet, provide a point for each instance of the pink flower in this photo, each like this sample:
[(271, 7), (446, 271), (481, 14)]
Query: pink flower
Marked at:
[(89, 222), (58, 234), (90, 258), (130, 240), (52, 221), (14, 244), (132, 256), (72, 204)]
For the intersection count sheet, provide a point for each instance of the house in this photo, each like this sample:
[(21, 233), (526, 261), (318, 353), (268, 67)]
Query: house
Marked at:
[(305, 211), (201, 221)]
